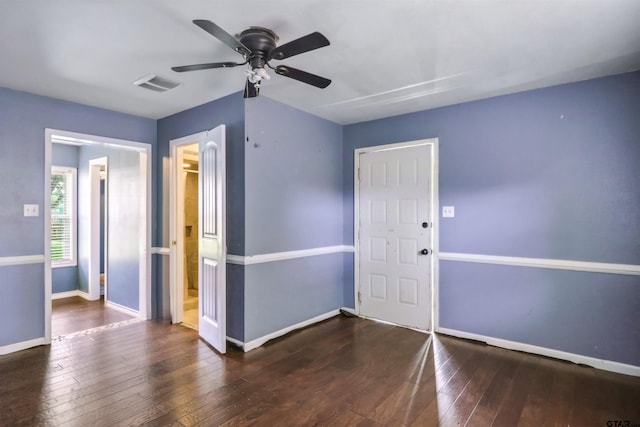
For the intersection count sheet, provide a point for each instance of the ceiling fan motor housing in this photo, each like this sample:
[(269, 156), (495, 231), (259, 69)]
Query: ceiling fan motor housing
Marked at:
[(261, 41)]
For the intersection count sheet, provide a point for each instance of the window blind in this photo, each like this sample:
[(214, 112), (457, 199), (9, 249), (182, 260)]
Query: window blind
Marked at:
[(62, 218)]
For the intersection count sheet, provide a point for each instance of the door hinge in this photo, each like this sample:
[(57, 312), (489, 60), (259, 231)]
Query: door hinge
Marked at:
[(359, 298), (358, 174)]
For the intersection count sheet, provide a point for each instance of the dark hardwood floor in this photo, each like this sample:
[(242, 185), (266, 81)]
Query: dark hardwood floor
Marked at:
[(76, 314), (342, 372)]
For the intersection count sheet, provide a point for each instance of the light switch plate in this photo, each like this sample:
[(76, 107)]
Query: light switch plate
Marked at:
[(448, 211), (31, 210)]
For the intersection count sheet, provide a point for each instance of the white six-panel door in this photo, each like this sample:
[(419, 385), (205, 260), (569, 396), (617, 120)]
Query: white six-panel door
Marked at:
[(395, 241), (212, 244)]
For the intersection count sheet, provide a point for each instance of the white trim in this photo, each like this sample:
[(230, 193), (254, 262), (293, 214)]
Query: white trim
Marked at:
[(19, 346), (123, 309), (236, 259), (349, 310), (144, 288), (282, 256), (67, 294), (93, 270), (160, 251), (235, 342), (559, 264), (77, 138), (605, 365), (435, 222), (6, 261), (248, 346), (85, 295), (435, 234), (46, 214), (79, 293)]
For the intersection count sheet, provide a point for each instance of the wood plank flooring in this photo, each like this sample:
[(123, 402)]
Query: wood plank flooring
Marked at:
[(76, 314), (342, 372)]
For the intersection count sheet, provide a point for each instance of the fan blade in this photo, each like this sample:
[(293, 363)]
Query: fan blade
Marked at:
[(303, 76), (303, 44), (250, 90), (206, 66), (222, 35)]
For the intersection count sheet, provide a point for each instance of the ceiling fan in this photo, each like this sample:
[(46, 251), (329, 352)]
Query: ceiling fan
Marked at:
[(258, 46)]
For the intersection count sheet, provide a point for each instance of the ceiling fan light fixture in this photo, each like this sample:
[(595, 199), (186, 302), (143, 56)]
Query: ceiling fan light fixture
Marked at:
[(256, 75), (262, 73)]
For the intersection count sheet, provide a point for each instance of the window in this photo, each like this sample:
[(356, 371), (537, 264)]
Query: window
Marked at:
[(63, 216)]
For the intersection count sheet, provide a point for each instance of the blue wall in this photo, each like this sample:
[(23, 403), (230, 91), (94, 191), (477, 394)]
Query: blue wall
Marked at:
[(21, 303), (293, 165), (551, 173), (23, 119), (65, 279), (65, 155), (293, 196)]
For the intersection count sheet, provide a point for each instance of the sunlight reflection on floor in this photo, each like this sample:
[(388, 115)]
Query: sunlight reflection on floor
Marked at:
[(418, 372), (190, 318)]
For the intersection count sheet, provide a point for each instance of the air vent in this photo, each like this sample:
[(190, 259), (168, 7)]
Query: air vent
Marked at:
[(156, 83)]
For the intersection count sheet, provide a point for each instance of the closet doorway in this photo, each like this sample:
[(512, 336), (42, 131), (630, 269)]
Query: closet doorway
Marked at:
[(186, 235)]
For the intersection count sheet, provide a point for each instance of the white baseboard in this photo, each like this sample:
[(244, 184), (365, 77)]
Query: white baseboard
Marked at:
[(235, 342), (86, 296), (123, 309), (605, 365), (248, 346), (19, 346), (67, 294), (349, 310)]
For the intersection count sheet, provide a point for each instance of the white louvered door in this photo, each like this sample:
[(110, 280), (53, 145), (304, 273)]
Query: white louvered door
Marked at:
[(212, 245)]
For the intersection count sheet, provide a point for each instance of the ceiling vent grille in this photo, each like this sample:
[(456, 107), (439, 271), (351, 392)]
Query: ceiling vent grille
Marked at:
[(156, 83)]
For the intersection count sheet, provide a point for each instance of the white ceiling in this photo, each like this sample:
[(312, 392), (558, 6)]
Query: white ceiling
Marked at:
[(386, 57)]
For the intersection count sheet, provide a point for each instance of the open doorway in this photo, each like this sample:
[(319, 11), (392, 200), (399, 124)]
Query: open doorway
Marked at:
[(189, 220), (210, 232), (111, 266), (185, 292)]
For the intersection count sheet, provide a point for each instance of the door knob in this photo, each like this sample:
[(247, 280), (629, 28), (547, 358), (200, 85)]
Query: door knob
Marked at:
[(425, 252)]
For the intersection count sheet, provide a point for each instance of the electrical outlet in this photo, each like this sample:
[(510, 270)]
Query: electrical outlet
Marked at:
[(31, 210), (448, 211)]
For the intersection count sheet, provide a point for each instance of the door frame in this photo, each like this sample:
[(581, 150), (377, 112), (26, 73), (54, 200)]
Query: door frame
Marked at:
[(176, 223), (144, 278), (435, 209), (94, 232)]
